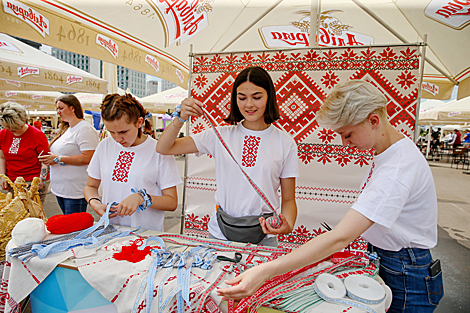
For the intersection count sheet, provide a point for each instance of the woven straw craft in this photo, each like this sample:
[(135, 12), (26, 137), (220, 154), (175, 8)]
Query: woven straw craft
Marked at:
[(25, 203)]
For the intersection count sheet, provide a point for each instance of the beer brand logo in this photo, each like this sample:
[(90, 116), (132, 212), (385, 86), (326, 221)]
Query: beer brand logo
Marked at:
[(108, 44), (26, 70), (182, 18), (37, 97), (8, 46), (450, 114), (74, 79), (453, 13), (14, 82), (431, 88), (180, 75), (30, 16), (153, 62), (332, 33), (42, 106), (10, 93)]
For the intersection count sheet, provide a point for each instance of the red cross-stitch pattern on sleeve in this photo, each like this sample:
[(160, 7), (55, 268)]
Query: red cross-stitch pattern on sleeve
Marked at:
[(250, 150), (123, 164)]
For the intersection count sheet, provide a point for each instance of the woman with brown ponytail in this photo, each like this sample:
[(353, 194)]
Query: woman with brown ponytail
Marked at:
[(71, 151), (130, 170)]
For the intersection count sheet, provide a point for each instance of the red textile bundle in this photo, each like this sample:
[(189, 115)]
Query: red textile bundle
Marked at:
[(132, 253), (65, 224)]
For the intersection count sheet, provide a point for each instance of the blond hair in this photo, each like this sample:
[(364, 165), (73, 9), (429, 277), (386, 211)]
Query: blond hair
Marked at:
[(12, 115), (350, 103)]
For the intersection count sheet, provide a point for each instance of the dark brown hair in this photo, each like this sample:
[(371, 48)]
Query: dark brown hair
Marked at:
[(260, 78), (115, 106), (70, 101)]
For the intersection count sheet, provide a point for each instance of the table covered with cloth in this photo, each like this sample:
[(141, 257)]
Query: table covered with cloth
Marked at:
[(176, 273)]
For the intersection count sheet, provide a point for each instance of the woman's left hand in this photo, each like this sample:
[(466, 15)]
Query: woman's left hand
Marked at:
[(48, 159), (285, 227), (129, 205)]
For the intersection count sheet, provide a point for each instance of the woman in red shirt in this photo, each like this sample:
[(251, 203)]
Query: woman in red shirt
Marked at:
[(20, 147)]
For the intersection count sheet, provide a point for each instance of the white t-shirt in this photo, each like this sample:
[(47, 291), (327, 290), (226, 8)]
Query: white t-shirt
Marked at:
[(400, 198), (120, 169), (266, 156), (68, 181)]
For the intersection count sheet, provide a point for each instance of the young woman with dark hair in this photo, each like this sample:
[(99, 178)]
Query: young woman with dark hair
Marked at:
[(128, 160), (266, 154)]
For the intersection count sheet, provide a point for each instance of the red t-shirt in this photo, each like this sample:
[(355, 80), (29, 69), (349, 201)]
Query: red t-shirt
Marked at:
[(21, 153), (37, 124)]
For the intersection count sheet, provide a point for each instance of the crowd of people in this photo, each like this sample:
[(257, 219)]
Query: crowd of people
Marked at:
[(138, 176)]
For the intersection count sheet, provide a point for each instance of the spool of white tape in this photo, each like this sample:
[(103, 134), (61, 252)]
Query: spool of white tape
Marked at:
[(364, 289), (330, 286), (360, 291)]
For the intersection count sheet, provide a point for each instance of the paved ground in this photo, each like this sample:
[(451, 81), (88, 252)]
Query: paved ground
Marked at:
[(453, 249)]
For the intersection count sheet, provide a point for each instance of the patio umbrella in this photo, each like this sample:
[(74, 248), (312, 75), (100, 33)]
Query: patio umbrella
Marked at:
[(25, 68), (455, 112), (155, 37), (164, 101), (32, 100)]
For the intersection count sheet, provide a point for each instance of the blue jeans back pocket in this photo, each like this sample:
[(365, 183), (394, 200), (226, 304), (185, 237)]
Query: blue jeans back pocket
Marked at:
[(435, 288)]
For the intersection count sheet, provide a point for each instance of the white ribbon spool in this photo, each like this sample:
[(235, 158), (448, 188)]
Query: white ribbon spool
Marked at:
[(360, 291), (364, 289), (330, 286)]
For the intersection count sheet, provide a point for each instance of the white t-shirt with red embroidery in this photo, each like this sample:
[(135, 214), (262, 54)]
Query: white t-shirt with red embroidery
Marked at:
[(400, 198), (120, 169), (266, 156)]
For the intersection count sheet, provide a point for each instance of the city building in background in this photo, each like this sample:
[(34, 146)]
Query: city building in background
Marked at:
[(131, 79), (152, 87), (83, 62), (167, 85)]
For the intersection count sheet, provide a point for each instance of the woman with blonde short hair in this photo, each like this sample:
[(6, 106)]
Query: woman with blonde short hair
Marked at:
[(398, 192), (20, 147)]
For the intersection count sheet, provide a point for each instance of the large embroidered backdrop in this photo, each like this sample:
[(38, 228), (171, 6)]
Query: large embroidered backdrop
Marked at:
[(330, 174)]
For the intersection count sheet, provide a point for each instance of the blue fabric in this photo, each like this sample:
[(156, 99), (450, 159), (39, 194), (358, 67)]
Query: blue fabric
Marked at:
[(96, 118), (406, 272), (69, 206)]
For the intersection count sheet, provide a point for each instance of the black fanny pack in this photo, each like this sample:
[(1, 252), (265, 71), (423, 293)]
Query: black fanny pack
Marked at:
[(241, 229)]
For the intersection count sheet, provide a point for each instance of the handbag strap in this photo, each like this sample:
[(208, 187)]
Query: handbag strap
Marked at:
[(252, 183)]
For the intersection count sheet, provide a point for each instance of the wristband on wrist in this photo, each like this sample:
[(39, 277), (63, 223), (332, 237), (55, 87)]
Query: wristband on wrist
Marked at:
[(57, 160), (89, 200), (177, 112), (147, 198)]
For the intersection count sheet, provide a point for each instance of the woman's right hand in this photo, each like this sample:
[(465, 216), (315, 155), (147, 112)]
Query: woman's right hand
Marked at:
[(3, 183), (190, 107), (100, 208)]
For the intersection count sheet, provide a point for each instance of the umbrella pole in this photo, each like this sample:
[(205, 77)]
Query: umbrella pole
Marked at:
[(183, 202), (420, 82)]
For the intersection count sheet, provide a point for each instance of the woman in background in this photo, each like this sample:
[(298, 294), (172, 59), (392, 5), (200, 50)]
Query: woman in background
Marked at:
[(20, 146), (71, 151)]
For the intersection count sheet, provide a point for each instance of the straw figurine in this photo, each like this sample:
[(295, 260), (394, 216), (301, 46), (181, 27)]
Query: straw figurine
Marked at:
[(12, 210)]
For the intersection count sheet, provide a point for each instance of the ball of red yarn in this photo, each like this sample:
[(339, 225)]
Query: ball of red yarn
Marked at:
[(65, 224)]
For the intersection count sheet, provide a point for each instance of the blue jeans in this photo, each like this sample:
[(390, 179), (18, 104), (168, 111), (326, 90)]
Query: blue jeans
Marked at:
[(406, 272), (69, 206)]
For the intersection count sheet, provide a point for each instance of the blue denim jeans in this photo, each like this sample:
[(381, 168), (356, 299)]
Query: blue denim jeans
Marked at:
[(69, 206), (406, 272)]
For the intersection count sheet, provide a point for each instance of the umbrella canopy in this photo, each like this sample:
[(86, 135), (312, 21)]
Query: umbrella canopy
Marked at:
[(32, 100), (455, 112), (121, 35), (163, 101), (92, 101), (25, 68)]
